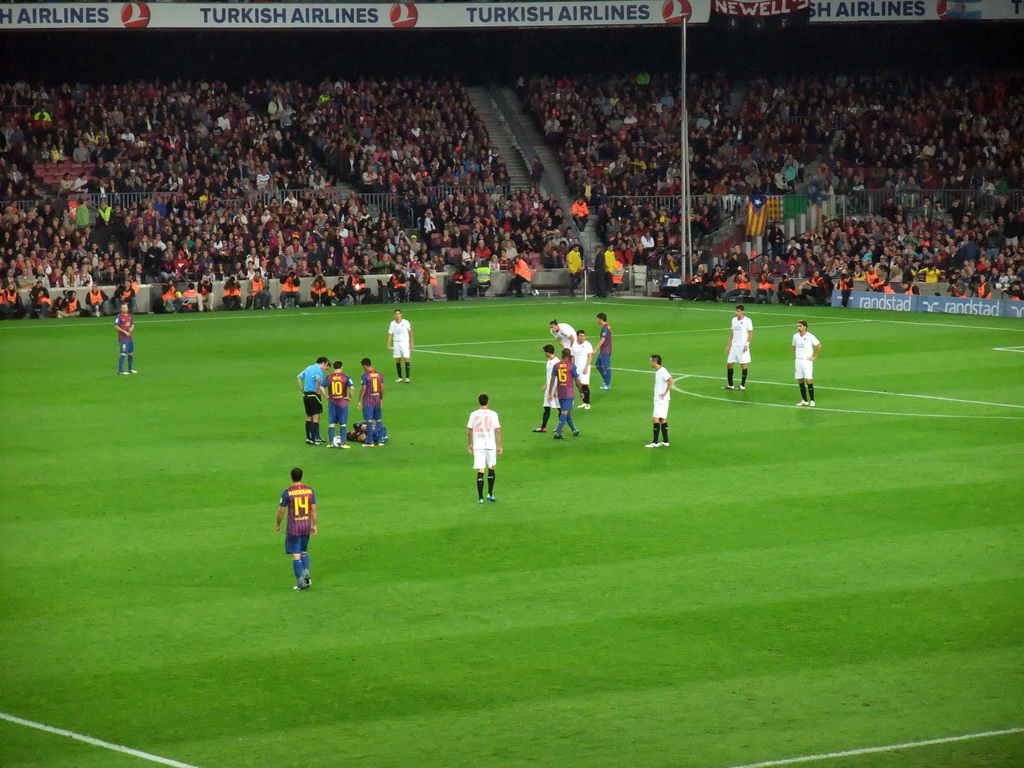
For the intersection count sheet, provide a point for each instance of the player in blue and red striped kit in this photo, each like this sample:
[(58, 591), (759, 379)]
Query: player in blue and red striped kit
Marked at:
[(299, 502), (371, 392), (564, 380)]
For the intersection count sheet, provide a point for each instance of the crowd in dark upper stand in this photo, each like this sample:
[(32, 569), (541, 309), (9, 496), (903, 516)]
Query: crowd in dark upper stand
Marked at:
[(209, 151), (819, 134)]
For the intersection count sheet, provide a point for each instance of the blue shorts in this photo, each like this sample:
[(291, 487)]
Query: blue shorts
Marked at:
[(295, 545), (126, 347), (565, 405), (337, 414), (371, 413)]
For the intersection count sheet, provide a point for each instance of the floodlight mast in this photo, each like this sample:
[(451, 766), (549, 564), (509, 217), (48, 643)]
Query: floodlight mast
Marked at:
[(685, 236)]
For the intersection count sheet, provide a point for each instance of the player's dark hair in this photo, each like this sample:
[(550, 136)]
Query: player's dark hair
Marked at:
[(321, 360), (337, 365), (578, 332), (553, 322), (802, 322), (549, 348), (566, 354), (740, 306), (483, 399), (656, 359), (365, 361), (296, 475), (602, 316)]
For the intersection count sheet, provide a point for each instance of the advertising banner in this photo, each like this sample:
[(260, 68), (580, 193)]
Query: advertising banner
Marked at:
[(608, 13), (947, 305), (526, 15)]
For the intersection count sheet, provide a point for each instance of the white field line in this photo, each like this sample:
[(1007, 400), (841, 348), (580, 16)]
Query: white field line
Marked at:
[(95, 742), (762, 311), (849, 410), (625, 335), (780, 384), (1008, 349), (222, 316), (878, 750)]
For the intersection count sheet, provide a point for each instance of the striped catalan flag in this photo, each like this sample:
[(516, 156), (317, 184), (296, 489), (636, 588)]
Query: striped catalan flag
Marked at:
[(761, 209), (757, 215)]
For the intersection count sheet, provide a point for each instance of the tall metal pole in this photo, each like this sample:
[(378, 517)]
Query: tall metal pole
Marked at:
[(685, 239)]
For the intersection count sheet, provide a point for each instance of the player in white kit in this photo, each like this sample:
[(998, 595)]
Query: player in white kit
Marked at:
[(738, 348), (806, 347), (484, 433), (400, 342)]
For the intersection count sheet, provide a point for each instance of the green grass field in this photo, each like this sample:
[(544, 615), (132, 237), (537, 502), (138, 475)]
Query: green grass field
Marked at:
[(781, 582)]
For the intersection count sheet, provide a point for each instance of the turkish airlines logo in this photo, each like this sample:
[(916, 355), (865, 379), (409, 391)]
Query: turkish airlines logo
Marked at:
[(676, 11), (404, 15), (135, 15)]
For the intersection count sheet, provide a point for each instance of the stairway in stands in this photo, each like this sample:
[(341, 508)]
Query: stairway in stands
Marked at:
[(501, 136)]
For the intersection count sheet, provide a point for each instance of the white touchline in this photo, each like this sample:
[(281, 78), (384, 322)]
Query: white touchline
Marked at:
[(875, 750), (95, 742), (1008, 349)]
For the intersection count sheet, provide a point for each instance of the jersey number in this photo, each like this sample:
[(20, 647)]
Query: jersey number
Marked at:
[(300, 507), (338, 389), (563, 375)]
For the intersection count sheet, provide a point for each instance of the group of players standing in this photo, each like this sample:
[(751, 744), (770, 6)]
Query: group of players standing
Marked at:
[(566, 373), (806, 348), (316, 383)]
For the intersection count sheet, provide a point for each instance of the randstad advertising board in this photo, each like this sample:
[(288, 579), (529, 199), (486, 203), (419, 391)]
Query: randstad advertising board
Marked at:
[(947, 305), (506, 15)]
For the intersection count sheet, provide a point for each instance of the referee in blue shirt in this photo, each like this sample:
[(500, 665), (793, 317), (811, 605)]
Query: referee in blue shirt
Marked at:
[(311, 383)]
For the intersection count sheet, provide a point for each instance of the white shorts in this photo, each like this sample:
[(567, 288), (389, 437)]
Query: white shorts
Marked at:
[(584, 377), (737, 355), (400, 349), (550, 401), (661, 409), (804, 369), (484, 458)]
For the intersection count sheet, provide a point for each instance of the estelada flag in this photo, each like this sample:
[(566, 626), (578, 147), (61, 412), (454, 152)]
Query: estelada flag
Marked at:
[(757, 215)]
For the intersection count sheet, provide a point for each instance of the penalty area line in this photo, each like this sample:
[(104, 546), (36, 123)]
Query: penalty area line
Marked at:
[(878, 750), (95, 742)]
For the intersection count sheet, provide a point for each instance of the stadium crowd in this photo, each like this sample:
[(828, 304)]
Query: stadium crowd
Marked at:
[(199, 180)]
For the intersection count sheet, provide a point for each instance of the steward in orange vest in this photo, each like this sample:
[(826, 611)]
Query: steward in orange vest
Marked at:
[(190, 298), (259, 296), (319, 292), (172, 302), (95, 300), (290, 290), (765, 288), (521, 275), (232, 297), (398, 286)]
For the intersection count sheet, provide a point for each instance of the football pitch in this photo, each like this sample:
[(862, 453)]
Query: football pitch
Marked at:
[(840, 586)]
